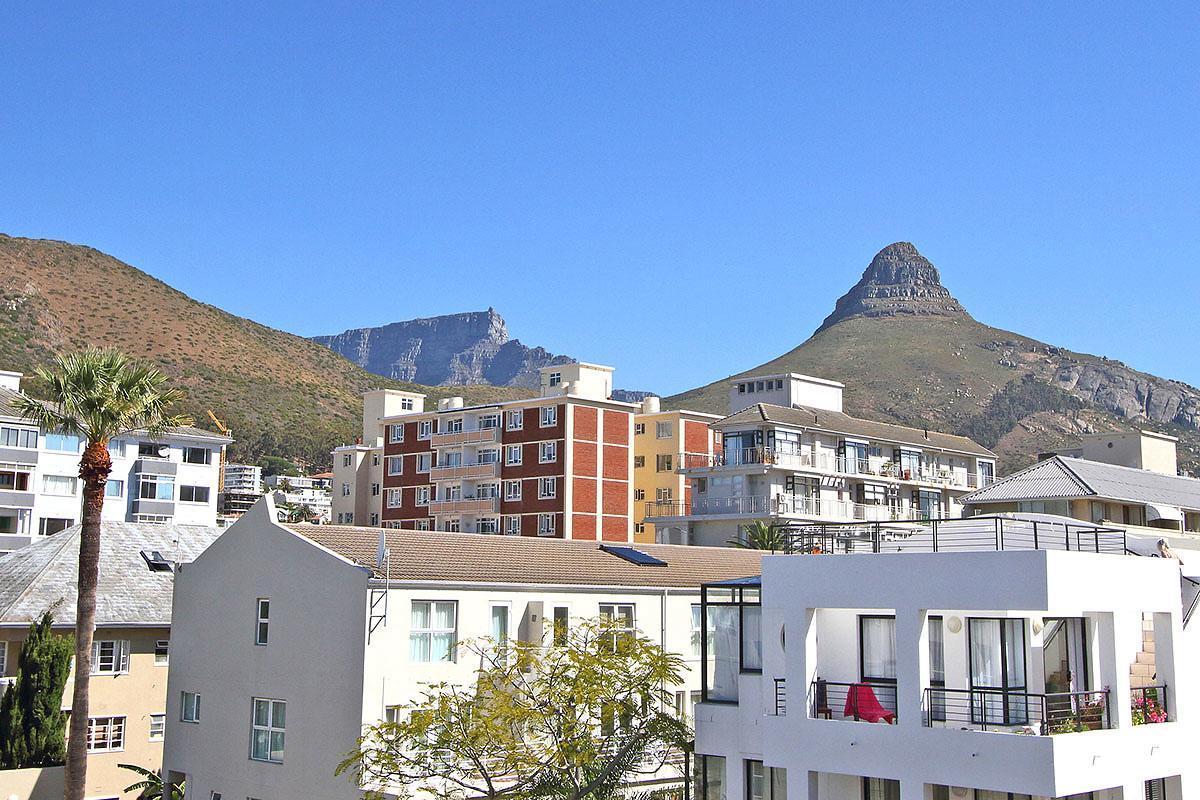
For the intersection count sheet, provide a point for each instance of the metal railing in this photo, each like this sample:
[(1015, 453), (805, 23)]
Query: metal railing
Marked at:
[(780, 505), (983, 533), (859, 701), (1021, 712), (1149, 704), (826, 462)]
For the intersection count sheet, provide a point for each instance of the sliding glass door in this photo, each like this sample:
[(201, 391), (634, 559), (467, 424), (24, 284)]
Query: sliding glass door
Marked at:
[(998, 683)]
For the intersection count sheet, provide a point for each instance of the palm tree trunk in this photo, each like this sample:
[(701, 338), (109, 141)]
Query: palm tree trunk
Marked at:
[(94, 469)]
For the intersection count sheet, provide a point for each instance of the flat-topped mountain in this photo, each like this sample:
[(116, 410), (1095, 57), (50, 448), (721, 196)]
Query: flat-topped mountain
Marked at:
[(908, 351)]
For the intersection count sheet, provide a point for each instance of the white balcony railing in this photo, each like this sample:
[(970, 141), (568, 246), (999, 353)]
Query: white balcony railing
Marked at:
[(781, 505), (827, 462)]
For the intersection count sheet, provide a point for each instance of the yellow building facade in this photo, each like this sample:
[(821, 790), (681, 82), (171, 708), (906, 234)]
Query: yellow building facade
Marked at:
[(665, 442)]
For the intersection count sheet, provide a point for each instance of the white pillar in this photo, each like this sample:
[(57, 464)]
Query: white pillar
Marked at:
[(1119, 632), (1167, 632), (801, 660), (912, 790), (912, 666)]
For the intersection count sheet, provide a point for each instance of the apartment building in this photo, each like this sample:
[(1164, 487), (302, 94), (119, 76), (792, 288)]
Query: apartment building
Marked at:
[(1126, 478), (788, 452), (172, 478), (241, 486), (276, 670), (557, 465), (988, 658), (662, 440), (311, 491), (127, 701)]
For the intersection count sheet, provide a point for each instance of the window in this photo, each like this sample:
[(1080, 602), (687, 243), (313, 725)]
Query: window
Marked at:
[(880, 789), (375, 459), (545, 525), (929, 503), (424, 462), (516, 419), (406, 404), (110, 657), (639, 494), (662, 463), (114, 488), (156, 487), (374, 518), (162, 652), (422, 495), (59, 485), (15, 480), (266, 730), (197, 455), (765, 783), (394, 498), (512, 526), (555, 379), (453, 458), (709, 777), (3, 657), (395, 433), (561, 621), (157, 519), (347, 460), (395, 465), (1156, 789), (51, 525), (158, 727), (419, 525), (489, 421), (18, 437), (105, 734), (488, 525), (547, 488), (193, 494), (512, 454), (62, 442), (639, 462), (877, 648), (696, 629), (375, 489), (512, 490), (346, 491), (663, 430), (432, 633), (663, 495), (731, 619), (349, 517), (547, 452), (450, 425), (262, 628), (489, 456), (452, 525), (618, 618), (639, 527), (487, 491), (392, 714), (549, 416), (700, 485), (116, 448), (424, 428), (499, 632), (639, 428)]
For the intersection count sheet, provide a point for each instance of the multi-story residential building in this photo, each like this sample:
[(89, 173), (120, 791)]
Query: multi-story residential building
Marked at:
[(987, 658), (788, 452), (557, 465), (662, 441), (312, 492), (348, 624), (1125, 478), (240, 489), (127, 698), (172, 478)]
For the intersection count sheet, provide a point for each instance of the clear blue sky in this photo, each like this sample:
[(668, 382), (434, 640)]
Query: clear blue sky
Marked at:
[(678, 191)]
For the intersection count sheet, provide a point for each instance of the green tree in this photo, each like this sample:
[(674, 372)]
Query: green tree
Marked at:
[(277, 465), (152, 786), (577, 721), (295, 512), (759, 535), (32, 722), (98, 394)]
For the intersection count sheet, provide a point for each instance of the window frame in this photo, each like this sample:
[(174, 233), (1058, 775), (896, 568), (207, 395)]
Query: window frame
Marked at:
[(431, 631), (509, 450), (114, 723), (548, 452), (161, 720), (195, 487), (207, 460), (262, 622), (547, 416), (119, 657), (550, 529), (396, 433), (547, 488), (269, 728)]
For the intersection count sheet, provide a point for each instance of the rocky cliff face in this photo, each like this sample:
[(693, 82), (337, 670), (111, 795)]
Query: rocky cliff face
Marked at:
[(899, 280), (455, 349)]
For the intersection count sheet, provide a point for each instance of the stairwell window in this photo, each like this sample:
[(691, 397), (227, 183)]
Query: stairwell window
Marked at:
[(262, 629), (375, 490), (433, 631), (110, 657), (347, 460), (189, 707), (547, 452), (105, 734), (267, 730), (516, 419), (549, 416)]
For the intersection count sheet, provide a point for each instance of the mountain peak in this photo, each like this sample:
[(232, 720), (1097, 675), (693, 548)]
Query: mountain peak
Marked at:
[(899, 280)]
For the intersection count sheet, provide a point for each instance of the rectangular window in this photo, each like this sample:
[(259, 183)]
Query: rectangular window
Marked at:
[(639, 428), (639, 462), (162, 652), (696, 629), (13, 480), (709, 777), (262, 629), (555, 379), (3, 657), (422, 495), (500, 615), (347, 460), (349, 517), (489, 456), (549, 416), (156, 487), (880, 789), (546, 525), (663, 430), (547, 452), (346, 491), (59, 485), (374, 518), (267, 730), (877, 648), (488, 525), (561, 621), (18, 437), (193, 494), (395, 465), (392, 714), (395, 433), (619, 620), (487, 491), (765, 783), (116, 448), (52, 525), (158, 727), (512, 490), (516, 419), (394, 498), (547, 488), (512, 526), (450, 425), (700, 485), (424, 462), (375, 489), (663, 463), (424, 428), (663, 495), (197, 455), (189, 707), (375, 459), (639, 494), (110, 657), (105, 734), (512, 454), (114, 488), (489, 421), (432, 634), (62, 442)]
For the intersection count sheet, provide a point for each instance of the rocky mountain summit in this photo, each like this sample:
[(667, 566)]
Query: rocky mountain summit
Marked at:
[(450, 350)]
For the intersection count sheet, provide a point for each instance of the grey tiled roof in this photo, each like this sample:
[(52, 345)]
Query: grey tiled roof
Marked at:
[(837, 422), (1063, 476), (43, 574)]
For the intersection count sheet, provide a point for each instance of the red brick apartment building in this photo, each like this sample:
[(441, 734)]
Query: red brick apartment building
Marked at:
[(557, 465)]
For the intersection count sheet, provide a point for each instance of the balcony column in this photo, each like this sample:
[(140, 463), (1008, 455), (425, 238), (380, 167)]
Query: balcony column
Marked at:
[(1168, 631), (1118, 637), (912, 790), (912, 666), (800, 661)]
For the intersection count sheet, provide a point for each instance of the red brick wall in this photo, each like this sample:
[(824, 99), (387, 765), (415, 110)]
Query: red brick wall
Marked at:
[(616, 427), (615, 529), (695, 437)]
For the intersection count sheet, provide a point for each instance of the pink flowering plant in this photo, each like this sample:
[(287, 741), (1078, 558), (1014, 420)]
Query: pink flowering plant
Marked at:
[(1147, 709)]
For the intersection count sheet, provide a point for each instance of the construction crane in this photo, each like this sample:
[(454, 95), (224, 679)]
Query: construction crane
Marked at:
[(220, 427)]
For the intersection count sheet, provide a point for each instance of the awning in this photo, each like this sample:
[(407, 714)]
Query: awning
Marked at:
[(1172, 513)]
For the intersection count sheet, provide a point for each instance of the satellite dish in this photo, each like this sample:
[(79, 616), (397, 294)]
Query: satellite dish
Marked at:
[(164, 450)]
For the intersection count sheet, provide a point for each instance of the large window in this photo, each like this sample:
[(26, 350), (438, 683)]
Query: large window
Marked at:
[(105, 734), (997, 657), (709, 778), (433, 629), (62, 442), (193, 494), (732, 642), (853, 456), (620, 622), (267, 730), (765, 783), (929, 503), (156, 487), (110, 657), (880, 789), (197, 455), (18, 437), (59, 485), (877, 649), (15, 480)]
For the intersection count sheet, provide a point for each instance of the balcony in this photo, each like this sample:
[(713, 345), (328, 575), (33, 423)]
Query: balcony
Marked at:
[(764, 457), (465, 472), (457, 438), (465, 505), (1007, 711), (780, 505)]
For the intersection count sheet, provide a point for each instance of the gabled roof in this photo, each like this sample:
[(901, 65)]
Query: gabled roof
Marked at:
[(437, 556), (43, 574), (838, 422), (1064, 477)]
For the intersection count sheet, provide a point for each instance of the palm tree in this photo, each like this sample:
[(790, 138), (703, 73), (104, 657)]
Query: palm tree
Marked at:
[(761, 536), (296, 512), (98, 394), (152, 786)]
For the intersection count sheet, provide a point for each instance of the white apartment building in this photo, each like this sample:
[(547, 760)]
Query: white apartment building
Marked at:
[(171, 479), (243, 479), (790, 453), (326, 629), (983, 660), (309, 491)]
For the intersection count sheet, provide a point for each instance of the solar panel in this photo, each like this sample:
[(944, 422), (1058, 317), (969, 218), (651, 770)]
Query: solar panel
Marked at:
[(156, 561), (633, 555)]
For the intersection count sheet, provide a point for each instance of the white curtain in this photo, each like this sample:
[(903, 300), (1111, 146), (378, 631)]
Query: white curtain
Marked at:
[(752, 637), (879, 647), (723, 652)]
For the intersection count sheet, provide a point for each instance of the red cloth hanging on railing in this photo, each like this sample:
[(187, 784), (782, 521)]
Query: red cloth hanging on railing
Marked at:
[(861, 703)]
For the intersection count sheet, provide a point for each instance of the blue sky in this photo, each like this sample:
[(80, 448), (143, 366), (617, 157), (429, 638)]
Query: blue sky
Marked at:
[(680, 191)]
